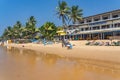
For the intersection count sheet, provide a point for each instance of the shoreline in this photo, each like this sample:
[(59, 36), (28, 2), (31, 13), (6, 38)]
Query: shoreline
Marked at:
[(104, 53)]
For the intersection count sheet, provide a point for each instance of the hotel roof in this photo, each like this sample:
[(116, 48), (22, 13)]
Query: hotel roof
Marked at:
[(96, 15), (102, 13)]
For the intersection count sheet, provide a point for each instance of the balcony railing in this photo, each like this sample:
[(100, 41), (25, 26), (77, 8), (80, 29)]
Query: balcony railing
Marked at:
[(101, 20), (100, 30)]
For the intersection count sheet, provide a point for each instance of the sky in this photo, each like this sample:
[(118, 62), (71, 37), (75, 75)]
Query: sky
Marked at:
[(45, 10)]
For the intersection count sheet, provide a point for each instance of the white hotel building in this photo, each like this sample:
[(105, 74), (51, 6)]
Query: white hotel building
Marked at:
[(100, 26)]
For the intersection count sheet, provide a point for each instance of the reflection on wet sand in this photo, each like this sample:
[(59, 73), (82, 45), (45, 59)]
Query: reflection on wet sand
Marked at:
[(31, 65)]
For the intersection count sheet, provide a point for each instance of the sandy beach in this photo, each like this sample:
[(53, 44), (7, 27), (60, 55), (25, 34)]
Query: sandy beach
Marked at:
[(80, 50)]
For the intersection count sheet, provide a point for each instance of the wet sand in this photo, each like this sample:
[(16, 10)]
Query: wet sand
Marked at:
[(80, 50), (26, 64)]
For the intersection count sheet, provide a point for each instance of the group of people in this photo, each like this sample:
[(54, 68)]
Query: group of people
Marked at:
[(1, 43), (66, 43)]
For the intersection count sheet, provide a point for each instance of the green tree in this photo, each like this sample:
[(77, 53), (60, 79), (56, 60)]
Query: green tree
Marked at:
[(48, 30), (17, 30), (75, 14), (8, 33), (30, 27), (62, 12), (59, 28)]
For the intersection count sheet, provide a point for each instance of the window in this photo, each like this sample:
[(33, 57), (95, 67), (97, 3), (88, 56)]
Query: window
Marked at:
[(90, 28), (89, 20), (112, 25), (105, 26), (86, 29), (82, 22), (74, 27), (106, 17), (82, 29), (97, 19), (96, 28), (118, 24), (115, 16)]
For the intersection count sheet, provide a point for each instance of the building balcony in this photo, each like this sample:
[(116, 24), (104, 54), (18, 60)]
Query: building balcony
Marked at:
[(99, 31), (93, 22)]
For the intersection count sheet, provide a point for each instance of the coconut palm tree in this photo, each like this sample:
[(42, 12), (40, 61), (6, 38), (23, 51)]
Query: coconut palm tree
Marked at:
[(17, 29), (18, 24), (8, 33), (31, 27), (1, 38), (48, 30), (59, 28), (75, 14), (62, 12)]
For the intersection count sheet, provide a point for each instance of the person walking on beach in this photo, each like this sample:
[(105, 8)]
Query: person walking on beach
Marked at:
[(63, 43), (44, 41)]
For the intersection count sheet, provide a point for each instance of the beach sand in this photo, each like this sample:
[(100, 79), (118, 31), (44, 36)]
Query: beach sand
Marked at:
[(80, 50)]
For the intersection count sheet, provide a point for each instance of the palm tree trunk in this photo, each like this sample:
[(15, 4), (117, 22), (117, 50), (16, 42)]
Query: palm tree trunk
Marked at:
[(64, 26)]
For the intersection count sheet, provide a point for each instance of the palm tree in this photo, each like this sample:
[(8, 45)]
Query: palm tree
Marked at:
[(1, 38), (18, 23), (62, 11), (18, 31), (31, 26), (75, 14), (17, 28), (8, 33), (59, 28), (48, 30)]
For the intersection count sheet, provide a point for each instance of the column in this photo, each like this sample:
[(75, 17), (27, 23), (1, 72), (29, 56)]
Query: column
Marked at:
[(113, 35), (98, 35), (119, 15), (110, 15), (101, 18), (100, 27), (85, 21), (80, 36), (113, 25), (83, 29), (110, 25), (89, 36), (92, 19), (103, 35), (91, 28), (75, 37), (70, 37), (83, 36)]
